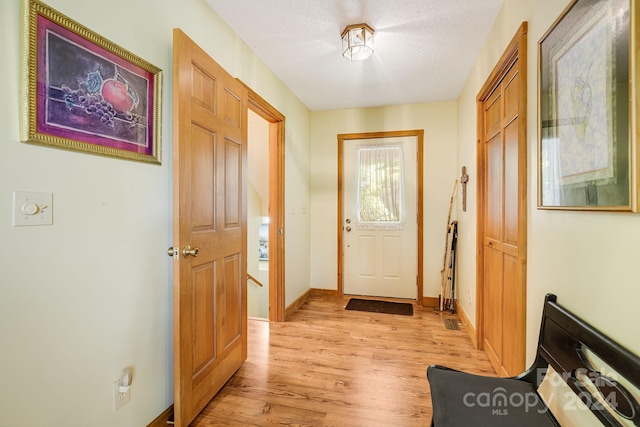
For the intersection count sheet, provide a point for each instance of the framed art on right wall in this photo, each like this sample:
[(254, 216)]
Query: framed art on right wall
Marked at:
[(587, 96)]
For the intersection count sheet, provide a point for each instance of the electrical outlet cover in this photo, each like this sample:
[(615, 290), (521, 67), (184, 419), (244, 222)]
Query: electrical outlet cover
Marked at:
[(119, 399)]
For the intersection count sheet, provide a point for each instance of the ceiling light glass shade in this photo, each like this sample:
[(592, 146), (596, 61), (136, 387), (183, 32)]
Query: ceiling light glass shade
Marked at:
[(357, 42)]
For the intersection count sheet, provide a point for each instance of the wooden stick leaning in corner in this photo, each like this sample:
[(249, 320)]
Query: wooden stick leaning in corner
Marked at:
[(447, 274), (443, 285)]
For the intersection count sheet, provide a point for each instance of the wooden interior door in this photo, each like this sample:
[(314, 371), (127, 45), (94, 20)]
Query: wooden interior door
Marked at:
[(502, 209), (210, 215)]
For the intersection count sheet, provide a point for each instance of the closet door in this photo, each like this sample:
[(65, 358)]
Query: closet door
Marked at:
[(502, 211)]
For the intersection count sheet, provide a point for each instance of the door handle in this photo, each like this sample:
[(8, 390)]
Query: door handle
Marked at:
[(348, 228), (188, 251)]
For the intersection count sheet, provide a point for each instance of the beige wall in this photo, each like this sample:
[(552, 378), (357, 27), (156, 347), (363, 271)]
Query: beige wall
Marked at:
[(439, 123), (90, 295), (590, 260)]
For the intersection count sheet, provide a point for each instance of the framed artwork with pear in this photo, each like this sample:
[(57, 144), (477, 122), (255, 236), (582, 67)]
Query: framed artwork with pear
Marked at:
[(83, 92)]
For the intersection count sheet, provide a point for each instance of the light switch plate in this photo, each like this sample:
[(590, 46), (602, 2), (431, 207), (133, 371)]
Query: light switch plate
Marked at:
[(32, 208)]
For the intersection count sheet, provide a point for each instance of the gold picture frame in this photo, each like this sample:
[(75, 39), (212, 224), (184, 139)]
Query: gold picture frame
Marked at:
[(587, 108), (82, 92)]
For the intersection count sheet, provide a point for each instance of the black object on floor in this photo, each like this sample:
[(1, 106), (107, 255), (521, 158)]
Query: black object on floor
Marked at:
[(451, 324), (402, 308)]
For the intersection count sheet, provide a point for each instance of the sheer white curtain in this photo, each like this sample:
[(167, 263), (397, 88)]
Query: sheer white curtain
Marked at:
[(380, 200)]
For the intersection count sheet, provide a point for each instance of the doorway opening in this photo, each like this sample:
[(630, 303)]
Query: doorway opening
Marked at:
[(265, 239), (257, 217)]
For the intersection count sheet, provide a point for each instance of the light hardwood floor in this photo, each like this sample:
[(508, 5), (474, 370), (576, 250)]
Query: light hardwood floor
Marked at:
[(327, 366)]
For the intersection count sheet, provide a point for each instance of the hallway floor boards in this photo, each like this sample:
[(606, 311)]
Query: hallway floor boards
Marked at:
[(327, 366)]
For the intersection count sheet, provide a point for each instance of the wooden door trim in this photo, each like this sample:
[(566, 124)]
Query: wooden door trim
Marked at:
[(517, 49), (276, 120), (419, 134)]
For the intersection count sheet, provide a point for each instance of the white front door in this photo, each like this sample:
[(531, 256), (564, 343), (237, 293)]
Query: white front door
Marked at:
[(380, 217)]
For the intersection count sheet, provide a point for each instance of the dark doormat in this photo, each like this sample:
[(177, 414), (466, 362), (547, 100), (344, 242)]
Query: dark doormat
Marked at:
[(402, 308)]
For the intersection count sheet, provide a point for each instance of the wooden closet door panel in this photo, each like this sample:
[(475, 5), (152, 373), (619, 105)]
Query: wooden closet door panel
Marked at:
[(493, 230), (493, 303), (510, 231), (512, 313)]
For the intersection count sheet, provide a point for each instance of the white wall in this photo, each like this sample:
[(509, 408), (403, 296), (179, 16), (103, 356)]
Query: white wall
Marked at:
[(440, 138), (90, 295), (590, 260)]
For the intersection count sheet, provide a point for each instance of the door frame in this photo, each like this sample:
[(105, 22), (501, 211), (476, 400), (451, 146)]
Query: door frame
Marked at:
[(517, 49), (276, 121), (419, 134)]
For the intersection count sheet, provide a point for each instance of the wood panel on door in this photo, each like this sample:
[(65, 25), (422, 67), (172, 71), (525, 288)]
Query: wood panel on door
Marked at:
[(210, 322), (502, 211)]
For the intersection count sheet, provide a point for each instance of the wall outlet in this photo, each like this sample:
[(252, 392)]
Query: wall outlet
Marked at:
[(119, 399)]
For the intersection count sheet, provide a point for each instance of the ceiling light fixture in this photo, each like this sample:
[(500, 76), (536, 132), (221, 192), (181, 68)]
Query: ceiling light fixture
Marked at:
[(357, 42)]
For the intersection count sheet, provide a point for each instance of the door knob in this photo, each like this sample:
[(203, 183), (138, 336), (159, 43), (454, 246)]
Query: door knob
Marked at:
[(188, 251), (348, 221), (348, 228)]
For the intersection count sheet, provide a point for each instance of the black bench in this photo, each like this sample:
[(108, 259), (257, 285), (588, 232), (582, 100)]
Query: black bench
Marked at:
[(566, 344)]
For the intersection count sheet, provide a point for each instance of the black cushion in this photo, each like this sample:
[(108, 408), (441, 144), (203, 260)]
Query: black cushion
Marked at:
[(462, 399)]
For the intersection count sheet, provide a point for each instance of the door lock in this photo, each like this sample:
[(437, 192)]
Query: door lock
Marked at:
[(187, 251), (173, 252)]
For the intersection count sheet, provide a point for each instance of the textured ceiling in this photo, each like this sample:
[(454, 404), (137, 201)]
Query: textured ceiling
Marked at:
[(424, 49)]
